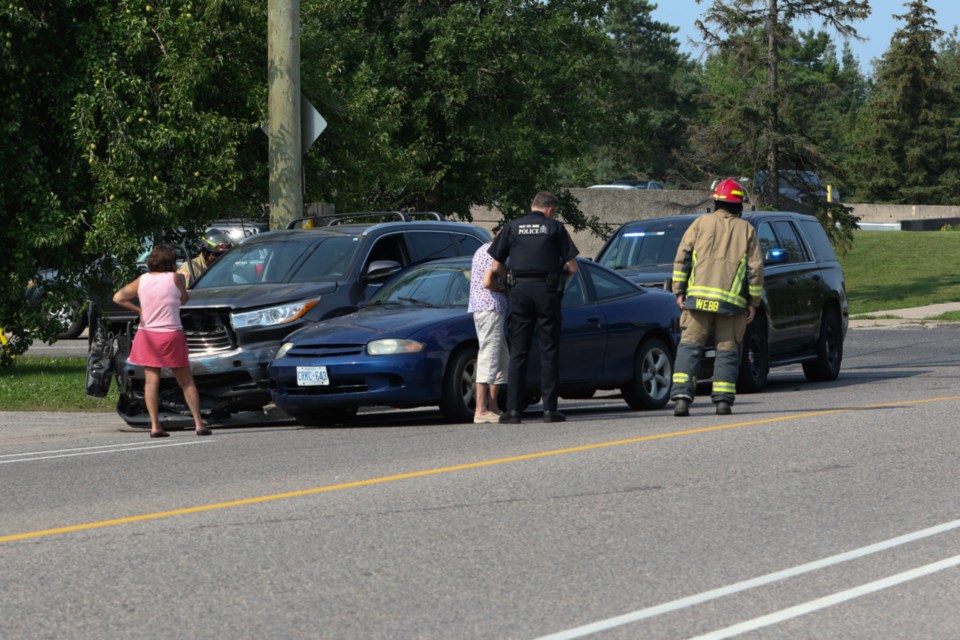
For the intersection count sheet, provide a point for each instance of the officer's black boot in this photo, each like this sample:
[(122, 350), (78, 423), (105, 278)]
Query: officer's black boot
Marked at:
[(510, 417)]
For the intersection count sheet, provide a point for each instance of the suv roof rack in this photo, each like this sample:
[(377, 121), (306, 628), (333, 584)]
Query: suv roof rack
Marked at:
[(364, 216)]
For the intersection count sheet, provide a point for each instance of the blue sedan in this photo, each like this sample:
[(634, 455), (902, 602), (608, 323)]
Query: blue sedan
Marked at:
[(415, 345)]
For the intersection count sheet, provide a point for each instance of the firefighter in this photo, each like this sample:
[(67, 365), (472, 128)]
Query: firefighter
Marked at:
[(215, 243), (718, 281)]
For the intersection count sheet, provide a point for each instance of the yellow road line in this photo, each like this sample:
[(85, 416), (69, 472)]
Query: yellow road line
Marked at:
[(440, 470)]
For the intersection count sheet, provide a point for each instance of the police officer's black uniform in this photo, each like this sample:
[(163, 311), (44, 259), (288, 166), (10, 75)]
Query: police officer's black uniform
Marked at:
[(538, 248)]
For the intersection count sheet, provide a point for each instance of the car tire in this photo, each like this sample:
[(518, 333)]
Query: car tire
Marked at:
[(327, 417), (459, 397), (826, 367), (652, 376), (755, 363), (75, 329)]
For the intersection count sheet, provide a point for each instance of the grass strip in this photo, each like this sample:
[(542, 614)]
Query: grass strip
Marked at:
[(41, 383)]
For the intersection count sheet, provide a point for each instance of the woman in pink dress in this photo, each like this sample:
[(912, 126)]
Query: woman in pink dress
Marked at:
[(159, 341)]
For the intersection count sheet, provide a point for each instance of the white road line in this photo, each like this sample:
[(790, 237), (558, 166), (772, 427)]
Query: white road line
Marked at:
[(737, 587), (94, 453), (40, 453), (829, 601)]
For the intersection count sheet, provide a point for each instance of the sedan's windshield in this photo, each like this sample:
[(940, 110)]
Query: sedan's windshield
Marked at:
[(433, 286), (648, 246), (300, 259)]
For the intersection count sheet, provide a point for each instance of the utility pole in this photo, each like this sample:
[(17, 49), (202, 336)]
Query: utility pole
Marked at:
[(283, 68)]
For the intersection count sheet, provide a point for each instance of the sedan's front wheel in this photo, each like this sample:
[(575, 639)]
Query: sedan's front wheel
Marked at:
[(652, 376), (459, 399)]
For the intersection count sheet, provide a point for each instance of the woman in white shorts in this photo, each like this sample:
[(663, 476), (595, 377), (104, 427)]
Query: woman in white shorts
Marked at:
[(488, 304)]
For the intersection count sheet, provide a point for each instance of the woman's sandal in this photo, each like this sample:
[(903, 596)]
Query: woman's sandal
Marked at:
[(159, 434), (204, 432)]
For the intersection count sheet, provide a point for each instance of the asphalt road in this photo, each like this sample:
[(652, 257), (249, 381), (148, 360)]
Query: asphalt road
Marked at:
[(815, 511)]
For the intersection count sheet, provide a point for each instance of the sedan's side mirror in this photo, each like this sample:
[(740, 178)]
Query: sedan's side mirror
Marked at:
[(381, 269), (776, 256)]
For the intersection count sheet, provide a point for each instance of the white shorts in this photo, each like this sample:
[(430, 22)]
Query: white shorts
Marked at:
[(493, 355)]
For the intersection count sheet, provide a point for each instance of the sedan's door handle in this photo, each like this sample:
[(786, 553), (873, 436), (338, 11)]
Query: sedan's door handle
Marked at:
[(592, 319)]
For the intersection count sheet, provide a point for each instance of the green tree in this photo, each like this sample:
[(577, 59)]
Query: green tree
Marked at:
[(462, 102), (908, 136), (737, 25), (652, 97), (122, 119)]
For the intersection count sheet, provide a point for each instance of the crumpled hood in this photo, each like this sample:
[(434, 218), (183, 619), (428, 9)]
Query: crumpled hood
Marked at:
[(257, 296)]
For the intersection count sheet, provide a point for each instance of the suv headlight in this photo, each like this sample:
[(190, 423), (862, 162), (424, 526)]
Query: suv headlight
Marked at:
[(391, 346), (281, 314)]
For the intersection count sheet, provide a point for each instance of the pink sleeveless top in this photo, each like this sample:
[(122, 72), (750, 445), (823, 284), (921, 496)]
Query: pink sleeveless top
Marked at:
[(160, 301)]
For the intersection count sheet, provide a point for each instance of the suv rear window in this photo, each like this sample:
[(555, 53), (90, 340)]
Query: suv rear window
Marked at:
[(644, 246), (819, 242)]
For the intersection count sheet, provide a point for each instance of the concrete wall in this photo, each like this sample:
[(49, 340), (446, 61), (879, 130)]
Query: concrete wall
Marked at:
[(616, 206)]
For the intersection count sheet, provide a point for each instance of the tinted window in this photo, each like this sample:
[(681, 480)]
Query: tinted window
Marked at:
[(430, 245), (306, 259), (817, 237), (573, 293), (440, 286), (387, 248), (767, 238), (608, 285), (790, 241), (467, 245), (644, 246)]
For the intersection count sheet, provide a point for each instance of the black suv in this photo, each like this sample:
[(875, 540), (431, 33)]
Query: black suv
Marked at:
[(273, 283), (803, 315)]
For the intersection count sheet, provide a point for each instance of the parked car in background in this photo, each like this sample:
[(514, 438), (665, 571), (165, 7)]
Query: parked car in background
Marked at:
[(798, 190), (639, 183), (270, 285), (414, 344), (629, 184), (803, 316)]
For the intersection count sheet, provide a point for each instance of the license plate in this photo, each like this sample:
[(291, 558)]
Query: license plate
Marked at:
[(312, 376)]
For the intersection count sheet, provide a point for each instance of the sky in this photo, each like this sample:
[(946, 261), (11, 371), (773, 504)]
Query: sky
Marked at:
[(877, 29)]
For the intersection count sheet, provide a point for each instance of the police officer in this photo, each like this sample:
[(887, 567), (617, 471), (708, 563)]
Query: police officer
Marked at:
[(540, 250), (718, 280)]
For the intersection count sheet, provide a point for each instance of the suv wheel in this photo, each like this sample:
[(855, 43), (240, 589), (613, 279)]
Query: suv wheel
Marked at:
[(652, 376), (75, 328), (829, 350), (459, 398), (755, 365)]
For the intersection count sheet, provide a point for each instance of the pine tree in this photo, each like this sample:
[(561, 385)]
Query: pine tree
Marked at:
[(734, 25), (907, 139)]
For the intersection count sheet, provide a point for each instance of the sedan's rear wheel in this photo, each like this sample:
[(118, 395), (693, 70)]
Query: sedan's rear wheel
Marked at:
[(829, 350), (652, 376), (459, 399)]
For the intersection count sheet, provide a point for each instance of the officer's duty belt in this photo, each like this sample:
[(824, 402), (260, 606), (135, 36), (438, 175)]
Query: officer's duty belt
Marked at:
[(540, 278)]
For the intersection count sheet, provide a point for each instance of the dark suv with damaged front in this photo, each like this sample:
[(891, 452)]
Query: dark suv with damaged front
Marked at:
[(273, 283)]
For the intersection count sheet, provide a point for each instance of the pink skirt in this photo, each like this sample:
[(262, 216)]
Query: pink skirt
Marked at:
[(159, 349)]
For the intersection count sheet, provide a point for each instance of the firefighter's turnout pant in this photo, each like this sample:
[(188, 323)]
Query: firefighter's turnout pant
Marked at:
[(697, 327)]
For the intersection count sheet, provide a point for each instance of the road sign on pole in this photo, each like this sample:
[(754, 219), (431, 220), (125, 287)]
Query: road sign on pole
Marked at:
[(312, 124)]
